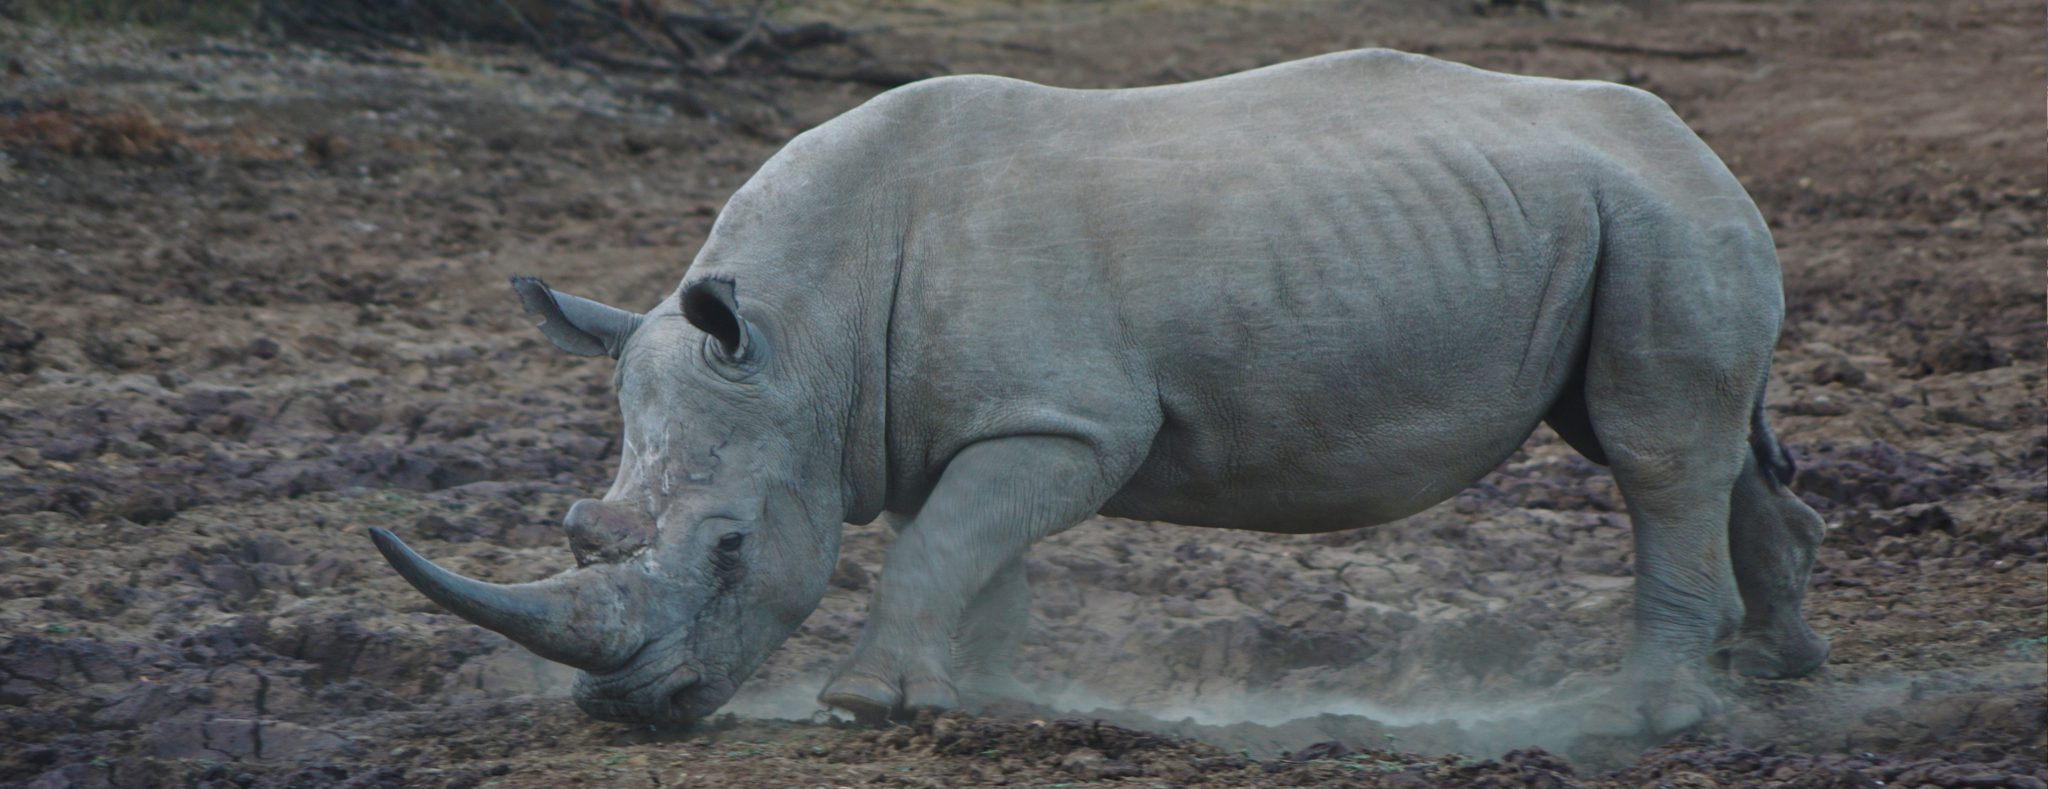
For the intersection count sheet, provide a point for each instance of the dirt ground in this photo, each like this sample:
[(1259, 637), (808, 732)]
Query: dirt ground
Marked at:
[(255, 303)]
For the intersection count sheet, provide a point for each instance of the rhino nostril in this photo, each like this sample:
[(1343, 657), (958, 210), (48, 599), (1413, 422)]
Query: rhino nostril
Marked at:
[(600, 532), (687, 682)]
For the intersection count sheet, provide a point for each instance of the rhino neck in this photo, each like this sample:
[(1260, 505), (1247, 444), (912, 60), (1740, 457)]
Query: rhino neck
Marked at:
[(828, 224), (830, 306)]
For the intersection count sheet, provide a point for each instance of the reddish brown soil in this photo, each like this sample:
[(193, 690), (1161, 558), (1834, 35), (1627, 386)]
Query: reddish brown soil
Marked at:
[(254, 303)]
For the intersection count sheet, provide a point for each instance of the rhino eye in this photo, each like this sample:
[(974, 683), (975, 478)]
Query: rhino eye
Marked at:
[(731, 541)]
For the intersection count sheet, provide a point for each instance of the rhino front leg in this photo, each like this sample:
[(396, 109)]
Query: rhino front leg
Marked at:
[(1773, 537), (993, 501), (988, 636)]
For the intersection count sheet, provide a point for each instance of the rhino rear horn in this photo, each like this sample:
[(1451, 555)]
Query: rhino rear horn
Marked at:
[(577, 325), (579, 618)]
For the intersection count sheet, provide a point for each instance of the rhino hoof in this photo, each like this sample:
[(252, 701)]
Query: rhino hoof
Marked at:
[(870, 701), (874, 702)]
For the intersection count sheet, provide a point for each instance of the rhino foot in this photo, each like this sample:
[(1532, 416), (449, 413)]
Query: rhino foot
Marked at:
[(1797, 655), (1657, 708), (984, 690), (874, 701)]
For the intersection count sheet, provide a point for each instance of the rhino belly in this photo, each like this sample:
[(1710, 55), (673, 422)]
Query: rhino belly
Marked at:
[(1314, 489), (1337, 430)]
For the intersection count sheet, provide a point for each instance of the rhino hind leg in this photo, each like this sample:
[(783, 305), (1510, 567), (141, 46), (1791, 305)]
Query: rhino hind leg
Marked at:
[(1685, 316), (1570, 420), (1772, 539), (1685, 584)]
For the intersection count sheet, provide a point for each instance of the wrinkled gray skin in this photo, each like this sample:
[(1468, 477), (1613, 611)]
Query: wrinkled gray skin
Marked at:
[(1317, 296)]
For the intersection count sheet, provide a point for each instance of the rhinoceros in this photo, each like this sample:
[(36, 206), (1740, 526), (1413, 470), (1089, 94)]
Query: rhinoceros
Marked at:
[(1314, 296)]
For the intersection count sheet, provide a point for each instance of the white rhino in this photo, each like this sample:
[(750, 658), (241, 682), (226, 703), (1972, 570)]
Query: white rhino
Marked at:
[(1320, 295)]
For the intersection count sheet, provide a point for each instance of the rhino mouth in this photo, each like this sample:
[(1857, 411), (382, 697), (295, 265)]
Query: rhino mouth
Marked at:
[(675, 696)]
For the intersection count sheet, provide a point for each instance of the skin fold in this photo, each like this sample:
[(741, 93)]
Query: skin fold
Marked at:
[(1315, 296)]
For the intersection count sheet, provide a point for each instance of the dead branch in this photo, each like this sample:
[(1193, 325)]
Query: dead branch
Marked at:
[(717, 61), (1650, 51), (710, 55), (316, 14), (614, 62), (219, 50), (686, 50), (618, 23), (786, 39), (533, 36), (865, 74)]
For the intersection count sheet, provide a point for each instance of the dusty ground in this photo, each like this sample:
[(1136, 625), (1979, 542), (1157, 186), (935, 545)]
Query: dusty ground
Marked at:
[(254, 303)]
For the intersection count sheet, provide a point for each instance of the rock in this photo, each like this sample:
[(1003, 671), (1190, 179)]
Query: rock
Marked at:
[(1090, 764), (241, 739), (1962, 352), (17, 342), (25, 457), (1878, 475), (850, 575), (1817, 405), (1838, 369), (1330, 749), (1082, 761), (141, 703), (1865, 526), (70, 775)]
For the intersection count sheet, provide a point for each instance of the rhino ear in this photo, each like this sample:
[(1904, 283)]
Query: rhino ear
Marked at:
[(710, 305), (577, 325)]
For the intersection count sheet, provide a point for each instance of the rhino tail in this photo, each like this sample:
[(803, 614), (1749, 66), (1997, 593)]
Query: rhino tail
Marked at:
[(1771, 457)]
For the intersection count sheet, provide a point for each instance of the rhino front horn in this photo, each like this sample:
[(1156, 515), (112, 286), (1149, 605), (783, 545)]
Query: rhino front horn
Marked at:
[(577, 618)]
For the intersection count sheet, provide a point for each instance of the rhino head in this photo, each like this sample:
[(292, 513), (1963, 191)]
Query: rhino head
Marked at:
[(718, 535)]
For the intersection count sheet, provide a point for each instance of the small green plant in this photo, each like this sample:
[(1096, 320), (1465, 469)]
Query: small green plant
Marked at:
[(613, 759), (56, 629), (101, 762)]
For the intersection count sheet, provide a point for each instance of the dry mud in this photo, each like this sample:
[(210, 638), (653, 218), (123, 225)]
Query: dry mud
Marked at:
[(254, 303)]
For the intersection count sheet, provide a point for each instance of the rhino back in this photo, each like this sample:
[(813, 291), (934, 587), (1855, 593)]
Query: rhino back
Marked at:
[(1342, 287)]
